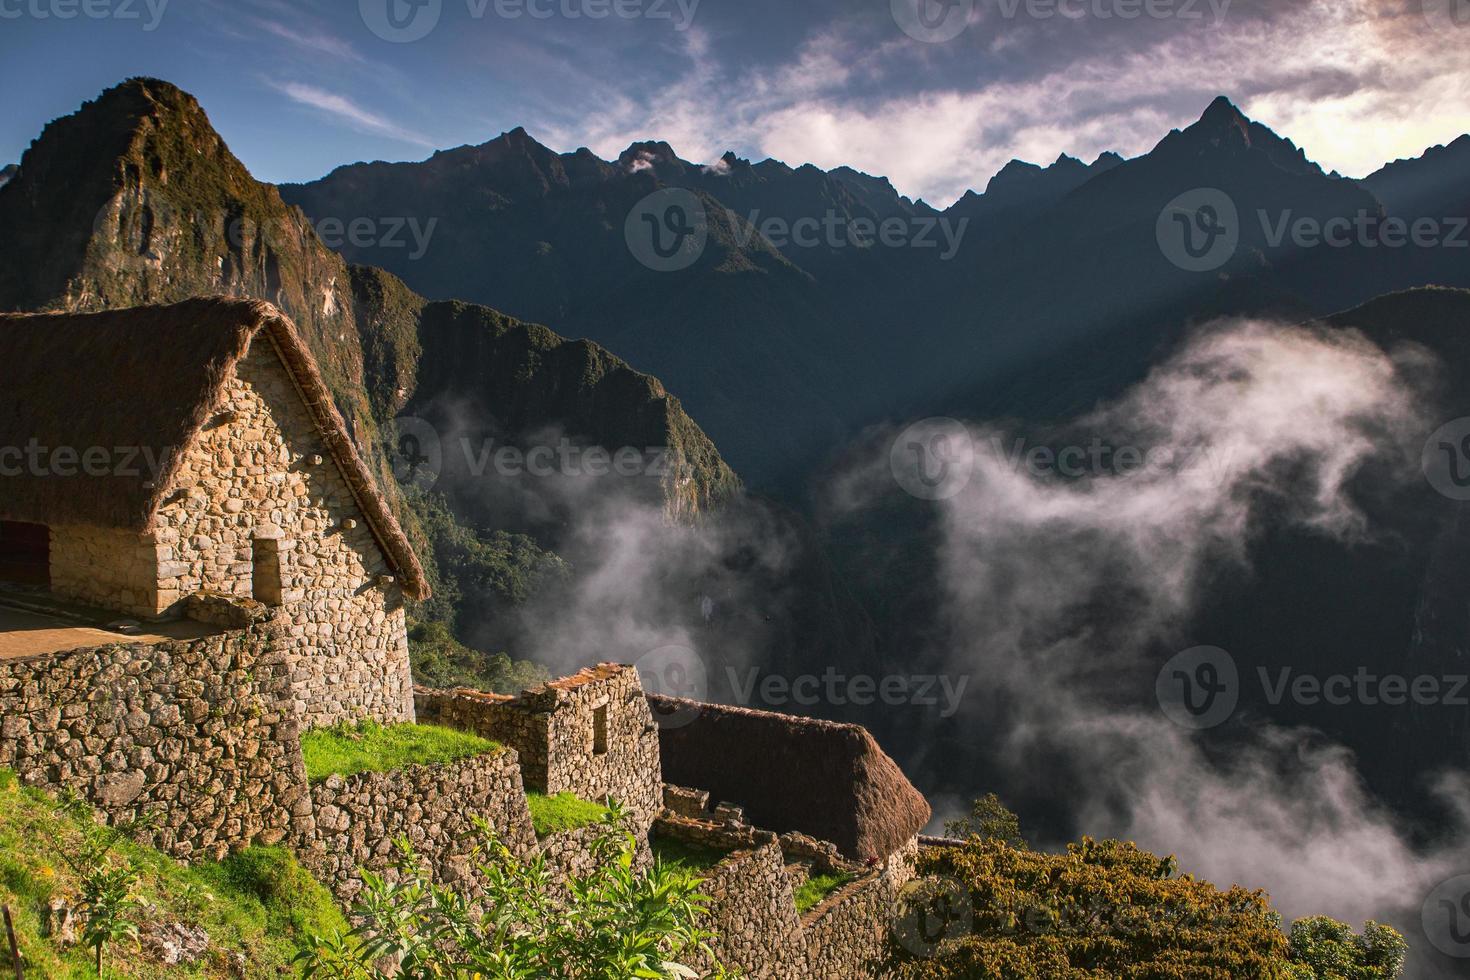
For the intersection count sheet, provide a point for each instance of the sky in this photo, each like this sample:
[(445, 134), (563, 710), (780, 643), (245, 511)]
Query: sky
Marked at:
[(937, 95)]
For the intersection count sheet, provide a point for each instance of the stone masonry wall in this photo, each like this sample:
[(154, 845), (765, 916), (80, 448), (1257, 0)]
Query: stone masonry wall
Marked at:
[(105, 567), (202, 730), (753, 913), (358, 817), (259, 482), (753, 907), (554, 729), (628, 768)]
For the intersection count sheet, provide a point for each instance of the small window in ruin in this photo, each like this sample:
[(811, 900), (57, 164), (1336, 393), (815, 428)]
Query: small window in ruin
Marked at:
[(265, 582), (599, 730)]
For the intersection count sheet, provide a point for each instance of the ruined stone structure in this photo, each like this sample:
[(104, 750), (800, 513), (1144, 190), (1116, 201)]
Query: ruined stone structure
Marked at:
[(268, 579), (203, 457), (590, 734)]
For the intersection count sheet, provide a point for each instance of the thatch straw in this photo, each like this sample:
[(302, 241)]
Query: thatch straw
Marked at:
[(829, 780), (145, 380)]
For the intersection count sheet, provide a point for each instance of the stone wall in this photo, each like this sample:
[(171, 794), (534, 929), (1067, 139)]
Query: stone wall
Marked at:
[(753, 904), (257, 490), (358, 817), (569, 853), (202, 730), (753, 913), (846, 935), (590, 734), (105, 567)]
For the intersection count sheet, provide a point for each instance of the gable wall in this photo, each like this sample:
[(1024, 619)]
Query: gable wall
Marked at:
[(251, 474)]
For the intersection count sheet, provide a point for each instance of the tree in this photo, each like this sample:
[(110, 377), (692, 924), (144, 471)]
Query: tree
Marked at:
[(613, 923), (989, 820), (1101, 909), (1325, 949)]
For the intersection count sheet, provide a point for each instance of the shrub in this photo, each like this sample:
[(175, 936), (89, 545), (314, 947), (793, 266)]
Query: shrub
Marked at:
[(611, 923)]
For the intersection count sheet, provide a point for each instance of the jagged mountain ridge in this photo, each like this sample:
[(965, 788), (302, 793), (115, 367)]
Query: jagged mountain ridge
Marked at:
[(136, 199), (1056, 262)]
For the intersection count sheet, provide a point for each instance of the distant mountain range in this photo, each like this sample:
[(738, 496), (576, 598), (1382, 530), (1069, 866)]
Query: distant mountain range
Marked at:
[(775, 348), (781, 346)]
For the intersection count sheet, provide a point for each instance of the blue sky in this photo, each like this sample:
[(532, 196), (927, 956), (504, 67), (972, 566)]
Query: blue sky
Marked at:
[(299, 88)]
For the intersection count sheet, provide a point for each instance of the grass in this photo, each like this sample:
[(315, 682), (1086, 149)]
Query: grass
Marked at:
[(564, 811), (696, 859), (259, 902), (818, 887), (345, 749)]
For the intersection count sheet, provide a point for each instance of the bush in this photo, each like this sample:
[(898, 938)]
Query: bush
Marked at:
[(610, 924)]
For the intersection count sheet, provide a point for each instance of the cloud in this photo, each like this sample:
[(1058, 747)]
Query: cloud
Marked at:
[(1060, 593), (1353, 83), (347, 111), (317, 41)]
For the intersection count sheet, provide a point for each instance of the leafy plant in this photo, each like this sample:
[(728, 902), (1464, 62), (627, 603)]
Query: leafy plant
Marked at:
[(989, 819), (1102, 908), (611, 923), (109, 887), (109, 897), (1325, 949)]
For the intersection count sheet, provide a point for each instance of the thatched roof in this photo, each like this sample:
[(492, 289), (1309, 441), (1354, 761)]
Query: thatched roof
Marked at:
[(828, 780), (148, 379)]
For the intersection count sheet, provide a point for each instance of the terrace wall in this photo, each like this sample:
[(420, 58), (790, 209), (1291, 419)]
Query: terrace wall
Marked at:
[(202, 731), (359, 817)]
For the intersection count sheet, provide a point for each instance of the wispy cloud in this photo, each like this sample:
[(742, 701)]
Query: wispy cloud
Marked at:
[(1352, 85), (348, 112), (311, 40)]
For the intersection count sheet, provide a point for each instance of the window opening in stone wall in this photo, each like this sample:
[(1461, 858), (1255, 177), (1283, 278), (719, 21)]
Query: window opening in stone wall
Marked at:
[(266, 571), (599, 730)]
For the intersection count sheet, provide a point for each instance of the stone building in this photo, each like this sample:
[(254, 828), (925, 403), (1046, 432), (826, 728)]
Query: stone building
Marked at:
[(187, 463), (590, 734)]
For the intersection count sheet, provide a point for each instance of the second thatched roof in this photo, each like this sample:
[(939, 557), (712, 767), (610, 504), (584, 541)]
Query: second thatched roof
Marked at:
[(144, 381), (828, 780)]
